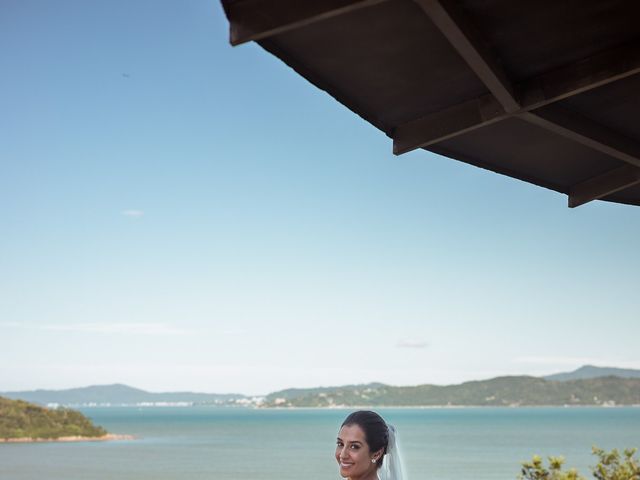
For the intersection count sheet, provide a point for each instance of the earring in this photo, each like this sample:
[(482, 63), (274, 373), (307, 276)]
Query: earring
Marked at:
[(373, 460)]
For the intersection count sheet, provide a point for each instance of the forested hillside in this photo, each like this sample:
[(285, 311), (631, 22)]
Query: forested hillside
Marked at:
[(501, 391), (20, 419)]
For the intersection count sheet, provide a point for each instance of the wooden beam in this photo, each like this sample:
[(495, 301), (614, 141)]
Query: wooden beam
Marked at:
[(586, 132), (447, 123), (589, 73), (550, 87), (465, 39), (603, 185), (258, 19)]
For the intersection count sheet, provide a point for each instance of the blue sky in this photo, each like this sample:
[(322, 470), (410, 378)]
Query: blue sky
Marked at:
[(180, 214)]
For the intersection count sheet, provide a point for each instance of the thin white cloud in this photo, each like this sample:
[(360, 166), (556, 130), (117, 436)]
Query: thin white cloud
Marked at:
[(119, 328), (412, 344), (133, 213), (105, 328), (11, 324), (133, 328)]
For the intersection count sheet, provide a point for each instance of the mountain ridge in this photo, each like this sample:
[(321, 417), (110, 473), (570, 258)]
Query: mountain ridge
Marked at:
[(497, 392), (119, 394), (556, 389), (591, 371)]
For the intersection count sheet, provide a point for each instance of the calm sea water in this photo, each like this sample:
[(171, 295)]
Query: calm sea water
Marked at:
[(224, 444)]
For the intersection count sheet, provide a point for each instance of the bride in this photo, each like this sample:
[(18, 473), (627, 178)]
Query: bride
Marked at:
[(367, 448)]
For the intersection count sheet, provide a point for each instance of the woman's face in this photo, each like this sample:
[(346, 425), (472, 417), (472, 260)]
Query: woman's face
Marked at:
[(353, 455)]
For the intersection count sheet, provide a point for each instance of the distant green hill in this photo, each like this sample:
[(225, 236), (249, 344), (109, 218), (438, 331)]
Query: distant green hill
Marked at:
[(19, 419), (501, 391), (587, 385), (295, 393), (117, 394), (590, 371)]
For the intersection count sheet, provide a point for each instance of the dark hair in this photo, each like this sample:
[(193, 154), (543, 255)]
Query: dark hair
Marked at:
[(375, 429)]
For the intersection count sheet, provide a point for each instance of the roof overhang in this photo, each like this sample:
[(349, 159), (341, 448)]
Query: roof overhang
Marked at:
[(544, 91)]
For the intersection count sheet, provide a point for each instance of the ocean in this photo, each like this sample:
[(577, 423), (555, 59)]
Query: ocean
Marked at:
[(194, 443)]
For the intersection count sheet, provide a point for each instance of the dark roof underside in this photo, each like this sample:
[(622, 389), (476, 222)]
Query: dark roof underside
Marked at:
[(540, 90)]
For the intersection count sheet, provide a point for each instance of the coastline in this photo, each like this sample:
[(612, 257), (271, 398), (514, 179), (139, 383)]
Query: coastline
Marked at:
[(438, 407), (104, 438), (362, 406)]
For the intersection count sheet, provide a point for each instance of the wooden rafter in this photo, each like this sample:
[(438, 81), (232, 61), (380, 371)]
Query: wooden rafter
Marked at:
[(548, 88), (586, 132), (589, 73), (259, 19), (448, 123), (603, 185), (580, 129), (468, 43)]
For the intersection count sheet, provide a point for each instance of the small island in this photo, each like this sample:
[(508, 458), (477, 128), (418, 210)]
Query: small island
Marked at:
[(24, 422)]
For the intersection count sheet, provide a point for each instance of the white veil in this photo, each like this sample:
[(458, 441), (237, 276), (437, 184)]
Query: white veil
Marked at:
[(392, 464)]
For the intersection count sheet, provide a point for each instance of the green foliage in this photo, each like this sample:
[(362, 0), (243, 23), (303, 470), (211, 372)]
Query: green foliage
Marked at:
[(611, 466), (535, 470), (19, 419)]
